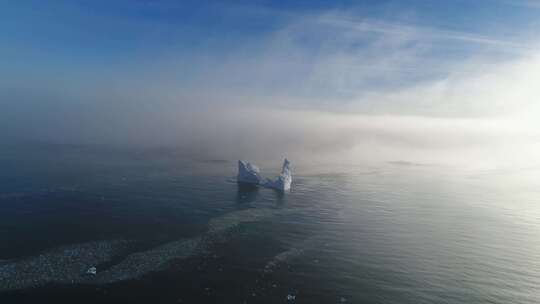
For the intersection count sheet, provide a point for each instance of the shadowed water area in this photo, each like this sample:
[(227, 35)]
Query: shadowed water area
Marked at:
[(161, 227)]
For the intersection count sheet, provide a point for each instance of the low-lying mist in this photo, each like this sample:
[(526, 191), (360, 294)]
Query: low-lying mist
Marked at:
[(359, 92)]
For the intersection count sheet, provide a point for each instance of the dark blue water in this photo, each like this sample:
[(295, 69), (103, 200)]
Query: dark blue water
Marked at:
[(162, 227)]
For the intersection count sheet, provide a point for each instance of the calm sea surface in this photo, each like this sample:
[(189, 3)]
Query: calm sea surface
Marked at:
[(163, 228)]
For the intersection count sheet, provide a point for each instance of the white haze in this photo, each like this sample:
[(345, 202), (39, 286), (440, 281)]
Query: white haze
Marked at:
[(395, 98)]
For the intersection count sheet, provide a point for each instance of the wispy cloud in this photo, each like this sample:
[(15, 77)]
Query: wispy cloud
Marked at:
[(317, 86), (425, 33), (524, 3)]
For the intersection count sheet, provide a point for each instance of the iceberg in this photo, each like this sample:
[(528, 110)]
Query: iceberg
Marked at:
[(284, 180), (248, 173)]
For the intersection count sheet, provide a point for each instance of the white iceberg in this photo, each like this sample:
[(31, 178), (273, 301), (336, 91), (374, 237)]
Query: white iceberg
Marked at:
[(248, 173), (284, 180)]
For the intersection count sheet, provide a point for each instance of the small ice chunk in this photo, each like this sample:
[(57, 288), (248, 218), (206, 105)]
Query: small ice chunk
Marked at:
[(284, 180), (248, 173), (92, 271)]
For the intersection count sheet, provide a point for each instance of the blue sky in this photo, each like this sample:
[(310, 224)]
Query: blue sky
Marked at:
[(86, 32), (93, 71)]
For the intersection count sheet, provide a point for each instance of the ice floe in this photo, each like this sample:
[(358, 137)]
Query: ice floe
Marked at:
[(92, 271)]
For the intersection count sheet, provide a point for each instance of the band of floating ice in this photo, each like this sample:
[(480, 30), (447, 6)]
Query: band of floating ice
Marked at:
[(140, 263), (296, 251), (282, 258), (137, 264), (61, 265), (69, 264)]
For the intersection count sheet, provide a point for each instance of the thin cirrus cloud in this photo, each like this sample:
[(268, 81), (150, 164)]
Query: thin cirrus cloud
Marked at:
[(425, 33), (524, 3)]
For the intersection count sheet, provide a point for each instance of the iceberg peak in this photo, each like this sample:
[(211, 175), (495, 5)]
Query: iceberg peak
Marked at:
[(283, 181), (248, 173)]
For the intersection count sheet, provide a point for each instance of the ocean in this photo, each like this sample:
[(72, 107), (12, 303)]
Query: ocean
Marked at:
[(163, 227)]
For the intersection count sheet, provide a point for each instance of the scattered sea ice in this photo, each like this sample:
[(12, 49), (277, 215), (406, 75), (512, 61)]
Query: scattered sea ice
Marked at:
[(92, 271)]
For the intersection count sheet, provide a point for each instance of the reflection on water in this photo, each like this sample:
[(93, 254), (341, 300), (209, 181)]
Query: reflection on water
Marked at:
[(246, 193), (183, 231)]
